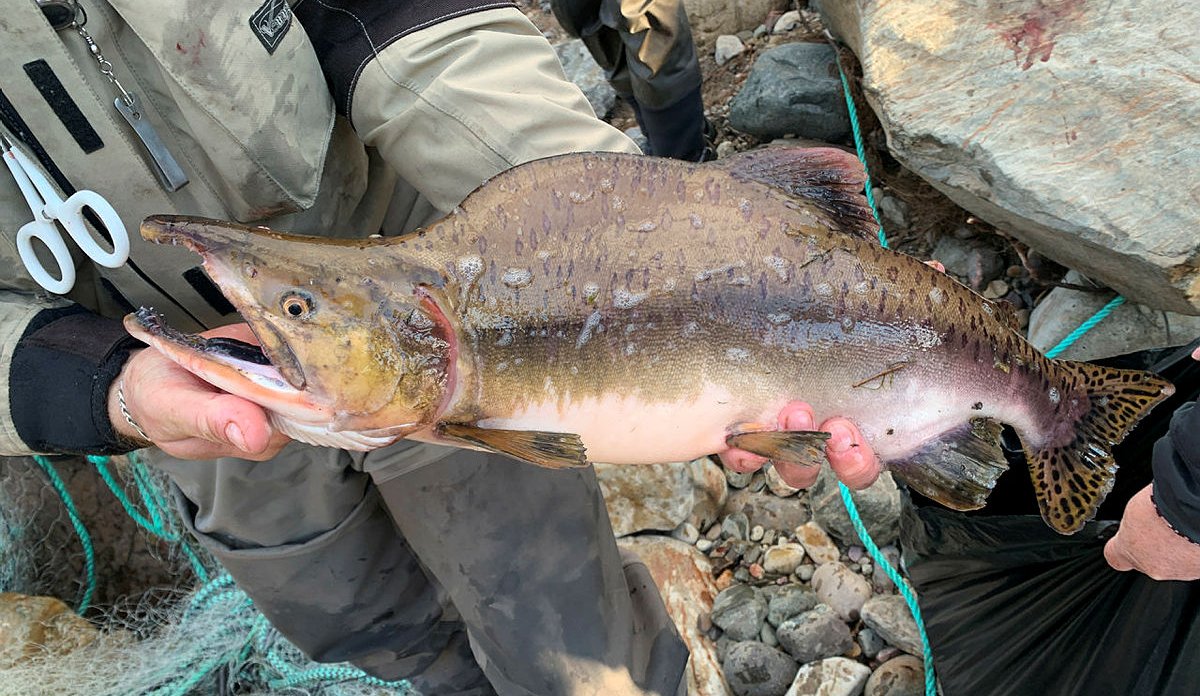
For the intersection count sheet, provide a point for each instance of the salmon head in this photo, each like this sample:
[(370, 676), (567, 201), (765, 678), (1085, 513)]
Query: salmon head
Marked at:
[(351, 353)]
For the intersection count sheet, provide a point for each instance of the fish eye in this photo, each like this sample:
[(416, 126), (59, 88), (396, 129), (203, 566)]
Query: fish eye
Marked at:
[(297, 305)]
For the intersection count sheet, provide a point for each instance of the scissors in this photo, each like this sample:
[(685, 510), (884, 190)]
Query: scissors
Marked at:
[(49, 212)]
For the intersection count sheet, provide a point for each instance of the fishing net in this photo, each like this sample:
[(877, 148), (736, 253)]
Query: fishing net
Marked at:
[(98, 534)]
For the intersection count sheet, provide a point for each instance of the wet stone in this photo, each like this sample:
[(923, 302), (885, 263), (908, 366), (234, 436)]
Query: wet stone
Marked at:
[(890, 617), (755, 669), (739, 611), (777, 485), (735, 526), (768, 510), (687, 533), (789, 601), (878, 506), (767, 636), (817, 543), (727, 46), (842, 589), (870, 642), (900, 676), (738, 479), (814, 635), (805, 572), (836, 676), (783, 559), (880, 581)]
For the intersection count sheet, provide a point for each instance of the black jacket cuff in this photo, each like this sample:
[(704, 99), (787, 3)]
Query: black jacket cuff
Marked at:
[(59, 379), (1177, 473)]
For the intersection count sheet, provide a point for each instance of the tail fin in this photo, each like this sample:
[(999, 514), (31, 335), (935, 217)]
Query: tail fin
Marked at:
[(1071, 481)]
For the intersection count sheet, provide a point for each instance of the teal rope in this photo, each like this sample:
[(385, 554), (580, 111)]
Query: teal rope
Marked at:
[(906, 590), (862, 152), (85, 539), (910, 597), (1085, 327)]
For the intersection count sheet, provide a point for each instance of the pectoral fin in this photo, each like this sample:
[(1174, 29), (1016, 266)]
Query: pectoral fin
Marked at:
[(803, 447), (551, 450), (960, 468)]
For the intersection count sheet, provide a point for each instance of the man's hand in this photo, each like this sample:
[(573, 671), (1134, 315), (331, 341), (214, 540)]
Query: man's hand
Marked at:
[(1146, 543), (185, 416), (849, 455)]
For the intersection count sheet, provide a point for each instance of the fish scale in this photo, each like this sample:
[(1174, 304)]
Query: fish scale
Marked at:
[(629, 309)]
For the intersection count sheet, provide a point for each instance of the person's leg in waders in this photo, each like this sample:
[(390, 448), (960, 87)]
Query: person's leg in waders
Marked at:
[(647, 53), (307, 537), (528, 557)]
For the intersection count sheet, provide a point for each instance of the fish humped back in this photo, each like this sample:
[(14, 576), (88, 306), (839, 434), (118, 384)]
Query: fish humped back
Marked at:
[(627, 309)]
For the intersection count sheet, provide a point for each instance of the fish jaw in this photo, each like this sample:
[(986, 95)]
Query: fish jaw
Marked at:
[(260, 382)]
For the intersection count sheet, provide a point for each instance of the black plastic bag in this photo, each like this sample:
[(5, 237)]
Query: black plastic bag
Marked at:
[(1013, 608)]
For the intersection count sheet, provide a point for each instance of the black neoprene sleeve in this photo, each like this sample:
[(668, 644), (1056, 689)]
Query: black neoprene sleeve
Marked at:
[(1177, 472), (59, 379)]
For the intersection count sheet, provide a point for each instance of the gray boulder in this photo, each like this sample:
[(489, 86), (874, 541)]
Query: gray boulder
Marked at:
[(814, 635), (789, 601), (754, 669), (1131, 327), (582, 69), (890, 617), (836, 676), (739, 611), (1073, 127), (878, 506), (793, 88)]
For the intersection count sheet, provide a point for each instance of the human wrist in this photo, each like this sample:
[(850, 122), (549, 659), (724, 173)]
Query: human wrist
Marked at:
[(124, 424)]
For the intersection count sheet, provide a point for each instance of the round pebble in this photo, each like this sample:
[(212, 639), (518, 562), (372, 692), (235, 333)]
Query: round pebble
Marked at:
[(757, 532), (903, 675)]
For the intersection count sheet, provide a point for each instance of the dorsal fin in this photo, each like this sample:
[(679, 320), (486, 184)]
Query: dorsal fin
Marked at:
[(829, 179)]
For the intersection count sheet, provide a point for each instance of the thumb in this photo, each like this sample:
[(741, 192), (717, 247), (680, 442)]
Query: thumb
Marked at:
[(227, 419), (1114, 553)]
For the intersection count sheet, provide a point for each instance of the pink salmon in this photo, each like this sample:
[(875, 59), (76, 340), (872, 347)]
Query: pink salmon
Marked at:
[(631, 309)]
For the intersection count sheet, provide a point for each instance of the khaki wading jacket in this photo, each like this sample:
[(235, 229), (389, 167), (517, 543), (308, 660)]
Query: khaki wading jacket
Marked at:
[(299, 117)]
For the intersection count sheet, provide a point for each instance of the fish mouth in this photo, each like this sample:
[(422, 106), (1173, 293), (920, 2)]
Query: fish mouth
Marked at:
[(229, 364)]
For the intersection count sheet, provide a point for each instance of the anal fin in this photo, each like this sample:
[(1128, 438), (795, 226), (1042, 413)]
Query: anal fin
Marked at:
[(551, 450), (960, 468), (803, 447)]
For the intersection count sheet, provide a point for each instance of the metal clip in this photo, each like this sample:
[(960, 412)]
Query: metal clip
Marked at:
[(169, 173)]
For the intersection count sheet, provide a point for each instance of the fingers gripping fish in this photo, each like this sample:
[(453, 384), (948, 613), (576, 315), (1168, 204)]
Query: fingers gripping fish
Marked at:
[(631, 309)]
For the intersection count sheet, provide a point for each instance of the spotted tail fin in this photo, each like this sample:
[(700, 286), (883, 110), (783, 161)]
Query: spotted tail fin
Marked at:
[(1072, 480)]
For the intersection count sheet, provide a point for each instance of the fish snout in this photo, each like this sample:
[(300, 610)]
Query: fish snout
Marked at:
[(197, 234)]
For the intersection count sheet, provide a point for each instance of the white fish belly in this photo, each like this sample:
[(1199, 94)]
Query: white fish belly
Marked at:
[(629, 430)]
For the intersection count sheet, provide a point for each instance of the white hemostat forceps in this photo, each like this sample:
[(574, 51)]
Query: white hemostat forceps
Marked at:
[(50, 211)]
